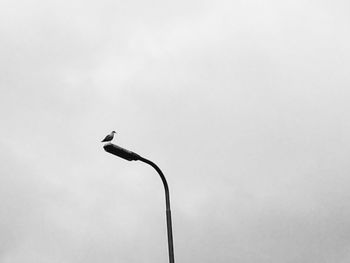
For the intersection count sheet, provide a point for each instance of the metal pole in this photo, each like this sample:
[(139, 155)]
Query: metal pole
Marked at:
[(168, 211), (131, 156)]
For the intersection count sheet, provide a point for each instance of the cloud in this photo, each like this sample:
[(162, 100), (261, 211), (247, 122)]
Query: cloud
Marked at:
[(243, 105)]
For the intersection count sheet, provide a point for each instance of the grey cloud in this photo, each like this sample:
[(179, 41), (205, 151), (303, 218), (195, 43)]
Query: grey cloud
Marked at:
[(243, 105)]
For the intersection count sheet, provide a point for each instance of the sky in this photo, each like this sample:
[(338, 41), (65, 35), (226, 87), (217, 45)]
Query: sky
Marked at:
[(244, 105)]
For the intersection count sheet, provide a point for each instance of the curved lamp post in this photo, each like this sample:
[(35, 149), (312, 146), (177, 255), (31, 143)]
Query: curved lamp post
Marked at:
[(131, 156)]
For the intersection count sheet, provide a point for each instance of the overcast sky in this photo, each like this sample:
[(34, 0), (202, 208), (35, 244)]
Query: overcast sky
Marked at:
[(243, 104)]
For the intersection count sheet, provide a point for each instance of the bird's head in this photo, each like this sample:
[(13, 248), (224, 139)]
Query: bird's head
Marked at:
[(113, 132)]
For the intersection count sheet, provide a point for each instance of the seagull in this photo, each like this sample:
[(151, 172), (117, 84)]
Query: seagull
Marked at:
[(109, 137)]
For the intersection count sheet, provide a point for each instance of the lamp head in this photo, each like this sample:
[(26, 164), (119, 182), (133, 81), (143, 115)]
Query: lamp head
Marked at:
[(121, 152)]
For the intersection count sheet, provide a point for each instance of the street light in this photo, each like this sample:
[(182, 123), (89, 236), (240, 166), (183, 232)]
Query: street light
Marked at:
[(131, 156)]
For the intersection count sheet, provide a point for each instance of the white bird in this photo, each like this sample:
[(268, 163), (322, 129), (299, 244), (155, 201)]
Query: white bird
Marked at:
[(109, 137)]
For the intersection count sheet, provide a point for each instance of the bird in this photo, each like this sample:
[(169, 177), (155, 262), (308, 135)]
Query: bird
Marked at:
[(109, 137)]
